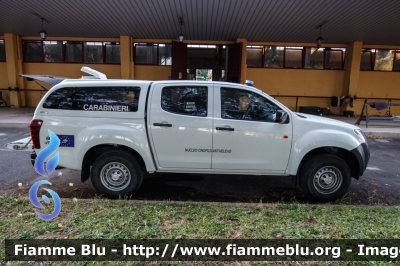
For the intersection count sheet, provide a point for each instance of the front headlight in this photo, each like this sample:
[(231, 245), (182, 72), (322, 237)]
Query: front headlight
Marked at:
[(361, 134)]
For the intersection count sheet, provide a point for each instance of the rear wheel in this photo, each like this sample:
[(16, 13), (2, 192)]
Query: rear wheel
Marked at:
[(325, 177), (116, 174)]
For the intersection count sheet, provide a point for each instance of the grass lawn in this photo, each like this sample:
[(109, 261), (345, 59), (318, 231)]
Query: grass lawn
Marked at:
[(128, 219)]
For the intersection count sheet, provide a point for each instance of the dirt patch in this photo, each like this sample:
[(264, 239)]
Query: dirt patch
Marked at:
[(213, 188)]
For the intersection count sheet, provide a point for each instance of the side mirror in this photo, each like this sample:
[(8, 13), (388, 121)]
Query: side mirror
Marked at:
[(281, 116)]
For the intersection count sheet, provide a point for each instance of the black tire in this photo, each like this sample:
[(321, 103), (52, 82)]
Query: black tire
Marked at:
[(325, 177), (116, 174)]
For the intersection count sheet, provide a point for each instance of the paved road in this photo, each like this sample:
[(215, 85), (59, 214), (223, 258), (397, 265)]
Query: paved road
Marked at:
[(15, 166), (379, 185)]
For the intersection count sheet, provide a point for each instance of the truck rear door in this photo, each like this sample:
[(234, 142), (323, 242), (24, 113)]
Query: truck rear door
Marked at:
[(180, 124)]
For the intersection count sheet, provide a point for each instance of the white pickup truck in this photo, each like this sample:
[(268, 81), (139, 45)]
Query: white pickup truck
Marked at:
[(115, 131)]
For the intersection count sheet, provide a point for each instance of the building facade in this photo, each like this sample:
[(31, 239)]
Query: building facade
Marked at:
[(296, 73)]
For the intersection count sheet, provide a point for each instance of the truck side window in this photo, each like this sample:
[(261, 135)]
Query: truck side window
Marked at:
[(60, 99), (120, 99), (246, 105), (185, 100)]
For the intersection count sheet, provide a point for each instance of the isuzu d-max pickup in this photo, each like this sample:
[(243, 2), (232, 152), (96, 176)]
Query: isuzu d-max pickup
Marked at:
[(115, 131)]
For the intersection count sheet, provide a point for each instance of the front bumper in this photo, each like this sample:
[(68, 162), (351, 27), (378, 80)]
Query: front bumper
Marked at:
[(362, 154)]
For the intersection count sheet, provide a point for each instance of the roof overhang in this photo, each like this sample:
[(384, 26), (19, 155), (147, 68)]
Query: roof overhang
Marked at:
[(370, 21)]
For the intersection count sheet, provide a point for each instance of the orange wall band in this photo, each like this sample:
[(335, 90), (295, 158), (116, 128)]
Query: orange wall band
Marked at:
[(289, 82)]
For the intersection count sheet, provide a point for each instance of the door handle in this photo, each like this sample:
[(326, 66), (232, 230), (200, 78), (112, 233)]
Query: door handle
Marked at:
[(162, 125), (225, 128)]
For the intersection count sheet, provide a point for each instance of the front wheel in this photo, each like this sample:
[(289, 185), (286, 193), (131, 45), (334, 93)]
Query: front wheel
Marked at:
[(325, 177), (116, 173)]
